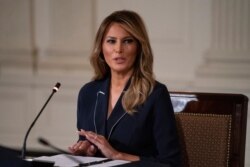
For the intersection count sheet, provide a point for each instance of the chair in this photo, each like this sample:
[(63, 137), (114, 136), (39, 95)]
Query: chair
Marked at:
[(211, 127)]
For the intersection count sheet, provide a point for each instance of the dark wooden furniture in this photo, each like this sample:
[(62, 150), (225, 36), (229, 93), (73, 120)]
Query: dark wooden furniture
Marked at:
[(211, 127)]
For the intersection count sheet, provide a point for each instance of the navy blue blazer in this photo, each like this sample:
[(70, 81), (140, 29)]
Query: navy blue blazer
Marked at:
[(149, 133)]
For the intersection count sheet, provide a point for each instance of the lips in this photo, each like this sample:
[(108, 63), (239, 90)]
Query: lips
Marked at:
[(119, 60)]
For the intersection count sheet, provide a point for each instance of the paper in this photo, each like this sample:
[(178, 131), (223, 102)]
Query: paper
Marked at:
[(111, 163), (66, 160)]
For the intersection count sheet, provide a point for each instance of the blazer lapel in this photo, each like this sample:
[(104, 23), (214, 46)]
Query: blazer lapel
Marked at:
[(117, 114)]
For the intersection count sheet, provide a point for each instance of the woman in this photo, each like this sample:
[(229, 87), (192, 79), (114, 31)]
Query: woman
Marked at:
[(124, 113)]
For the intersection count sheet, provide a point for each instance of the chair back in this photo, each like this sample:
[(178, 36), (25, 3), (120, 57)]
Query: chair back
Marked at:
[(211, 127)]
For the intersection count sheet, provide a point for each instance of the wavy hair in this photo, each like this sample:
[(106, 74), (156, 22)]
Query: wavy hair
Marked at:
[(142, 79)]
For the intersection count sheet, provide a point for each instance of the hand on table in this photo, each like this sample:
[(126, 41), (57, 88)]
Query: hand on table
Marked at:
[(101, 143), (83, 148)]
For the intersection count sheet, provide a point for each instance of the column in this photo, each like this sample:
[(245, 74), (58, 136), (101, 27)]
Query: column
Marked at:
[(226, 65)]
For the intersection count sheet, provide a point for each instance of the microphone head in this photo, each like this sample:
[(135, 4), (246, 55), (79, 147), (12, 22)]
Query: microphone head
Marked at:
[(43, 141), (56, 87)]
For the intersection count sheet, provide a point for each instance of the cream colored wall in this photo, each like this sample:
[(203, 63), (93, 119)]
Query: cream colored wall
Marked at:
[(178, 32), (42, 42)]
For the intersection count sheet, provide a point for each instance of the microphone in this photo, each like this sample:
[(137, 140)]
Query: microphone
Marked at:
[(46, 143), (54, 90)]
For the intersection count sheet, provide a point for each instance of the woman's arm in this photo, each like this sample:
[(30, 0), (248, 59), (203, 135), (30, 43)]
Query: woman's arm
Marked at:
[(165, 130)]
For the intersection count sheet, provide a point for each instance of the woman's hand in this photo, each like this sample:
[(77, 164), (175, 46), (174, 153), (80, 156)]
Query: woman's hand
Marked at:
[(101, 143), (83, 148)]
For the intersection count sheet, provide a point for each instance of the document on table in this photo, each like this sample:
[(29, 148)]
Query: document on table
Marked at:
[(66, 160)]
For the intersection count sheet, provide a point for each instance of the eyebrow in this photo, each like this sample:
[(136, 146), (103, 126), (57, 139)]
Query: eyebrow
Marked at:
[(111, 37)]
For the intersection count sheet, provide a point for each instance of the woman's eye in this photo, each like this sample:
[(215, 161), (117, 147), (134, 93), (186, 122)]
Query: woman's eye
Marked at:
[(127, 41), (111, 41)]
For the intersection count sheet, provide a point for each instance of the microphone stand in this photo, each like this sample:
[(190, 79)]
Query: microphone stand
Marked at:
[(55, 89), (48, 144)]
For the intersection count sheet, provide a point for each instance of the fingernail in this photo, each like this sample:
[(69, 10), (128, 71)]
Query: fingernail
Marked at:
[(92, 147)]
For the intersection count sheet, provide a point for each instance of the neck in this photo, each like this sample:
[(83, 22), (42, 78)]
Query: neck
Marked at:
[(119, 81)]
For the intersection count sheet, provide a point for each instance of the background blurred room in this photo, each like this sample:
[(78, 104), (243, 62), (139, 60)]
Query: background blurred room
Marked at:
[(198, 45)]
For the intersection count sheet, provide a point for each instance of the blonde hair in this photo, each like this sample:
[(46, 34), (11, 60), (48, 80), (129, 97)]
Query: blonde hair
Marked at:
[(142, 79)]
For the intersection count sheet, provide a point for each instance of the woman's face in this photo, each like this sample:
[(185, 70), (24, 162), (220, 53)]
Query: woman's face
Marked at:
[(119, 49)]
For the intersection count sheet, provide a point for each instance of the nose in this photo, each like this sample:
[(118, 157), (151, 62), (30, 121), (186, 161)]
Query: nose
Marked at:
[(118, 47)]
